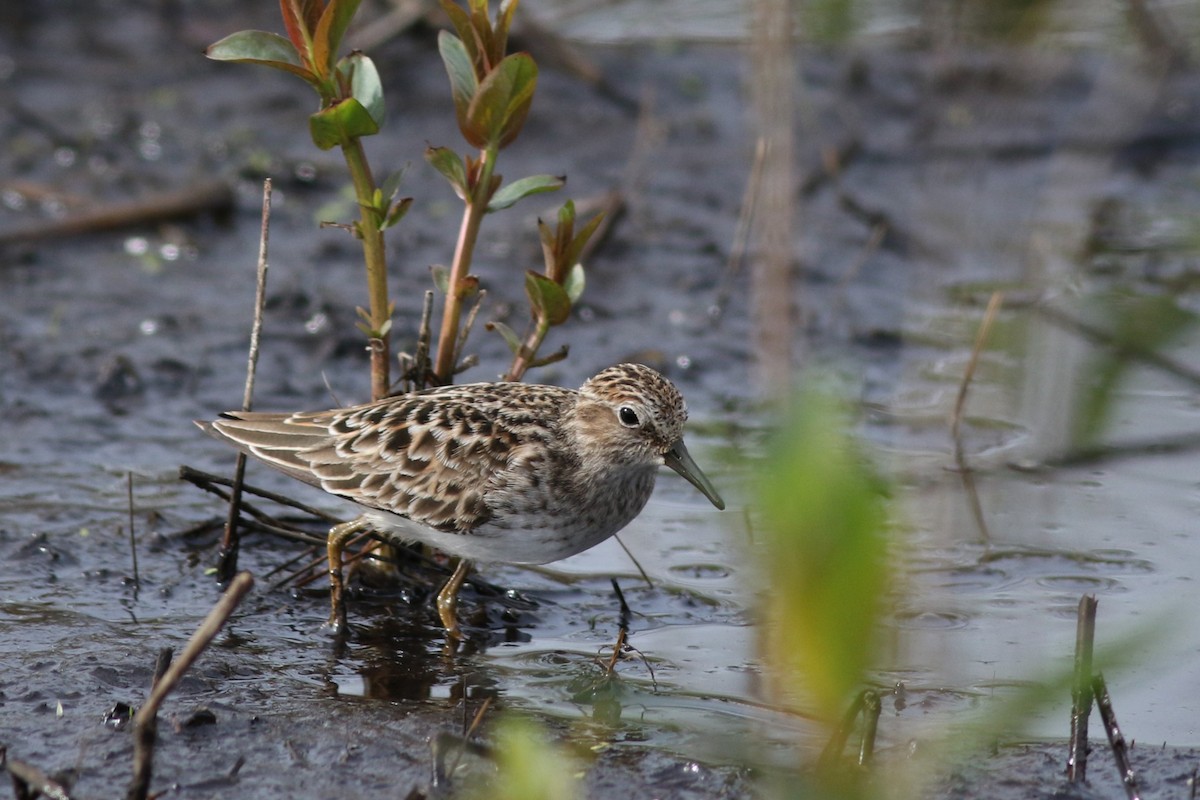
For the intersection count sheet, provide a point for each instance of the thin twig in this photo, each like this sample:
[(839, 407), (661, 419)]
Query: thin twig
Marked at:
[(1081, 689), (466, 328), (306, 575), (745, 220), (837, 742), (960, 404), (228, 557), (1103, 337), (216, 196), (137, 581), (872, 707), (161, 665), (282, 531), (265, 523), (745, 224), (309, 553), (144, 721), (470, 731), (478, 720), (421, 370), (1116, 739), (30, 782), (1094, 454), (207, 481)]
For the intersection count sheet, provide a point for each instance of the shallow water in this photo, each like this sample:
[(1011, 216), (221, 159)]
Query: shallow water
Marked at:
[(113, 343)]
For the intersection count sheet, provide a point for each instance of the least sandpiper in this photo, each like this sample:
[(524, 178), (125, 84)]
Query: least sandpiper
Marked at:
[(494, 472)]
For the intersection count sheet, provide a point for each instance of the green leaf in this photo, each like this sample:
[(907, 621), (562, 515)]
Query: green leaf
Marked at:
[(463, 84), (340, 123), (441, 277), (566, 215), (391, 184), (510, 336), (581, 239), (365, 86), (397, 212), (502, 101), (329, 32), (547, 298), (574, 283), (824, 552), (448, 162), (520, 189), (260, 47), (461, 21)]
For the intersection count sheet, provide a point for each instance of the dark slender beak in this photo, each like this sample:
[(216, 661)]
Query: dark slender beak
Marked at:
[(677, 458)]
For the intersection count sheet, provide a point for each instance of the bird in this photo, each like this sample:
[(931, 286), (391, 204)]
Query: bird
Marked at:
[(499, 472)]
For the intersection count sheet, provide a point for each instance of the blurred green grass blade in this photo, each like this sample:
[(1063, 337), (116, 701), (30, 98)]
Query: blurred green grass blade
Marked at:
[(824, 555)]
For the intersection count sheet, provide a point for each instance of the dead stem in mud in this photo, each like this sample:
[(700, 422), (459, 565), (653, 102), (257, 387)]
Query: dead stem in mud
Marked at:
[(227, 558), (209, 483), (1081, 689), (167, 678), (216, 197), (868, 705), (137, 581), (960, 459), (29, 781), (1087, 687)]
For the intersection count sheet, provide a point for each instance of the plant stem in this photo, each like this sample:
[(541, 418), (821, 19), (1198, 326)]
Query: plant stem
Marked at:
[(476, 207), (376, 260), (528, 350)]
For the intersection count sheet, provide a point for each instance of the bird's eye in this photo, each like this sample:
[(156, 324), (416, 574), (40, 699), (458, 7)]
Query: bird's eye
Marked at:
[(628, 417)]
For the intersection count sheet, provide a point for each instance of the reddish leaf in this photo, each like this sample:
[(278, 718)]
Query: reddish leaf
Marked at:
[(330, 29), (300, 18), (502, 101)]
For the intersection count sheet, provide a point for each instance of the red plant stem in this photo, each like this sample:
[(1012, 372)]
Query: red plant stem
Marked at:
[(447, 354)]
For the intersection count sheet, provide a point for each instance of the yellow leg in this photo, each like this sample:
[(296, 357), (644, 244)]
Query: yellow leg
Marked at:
[(335, 544), (447, 598)]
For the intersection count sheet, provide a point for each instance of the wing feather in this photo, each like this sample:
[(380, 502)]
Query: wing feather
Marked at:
[(429, 456)]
